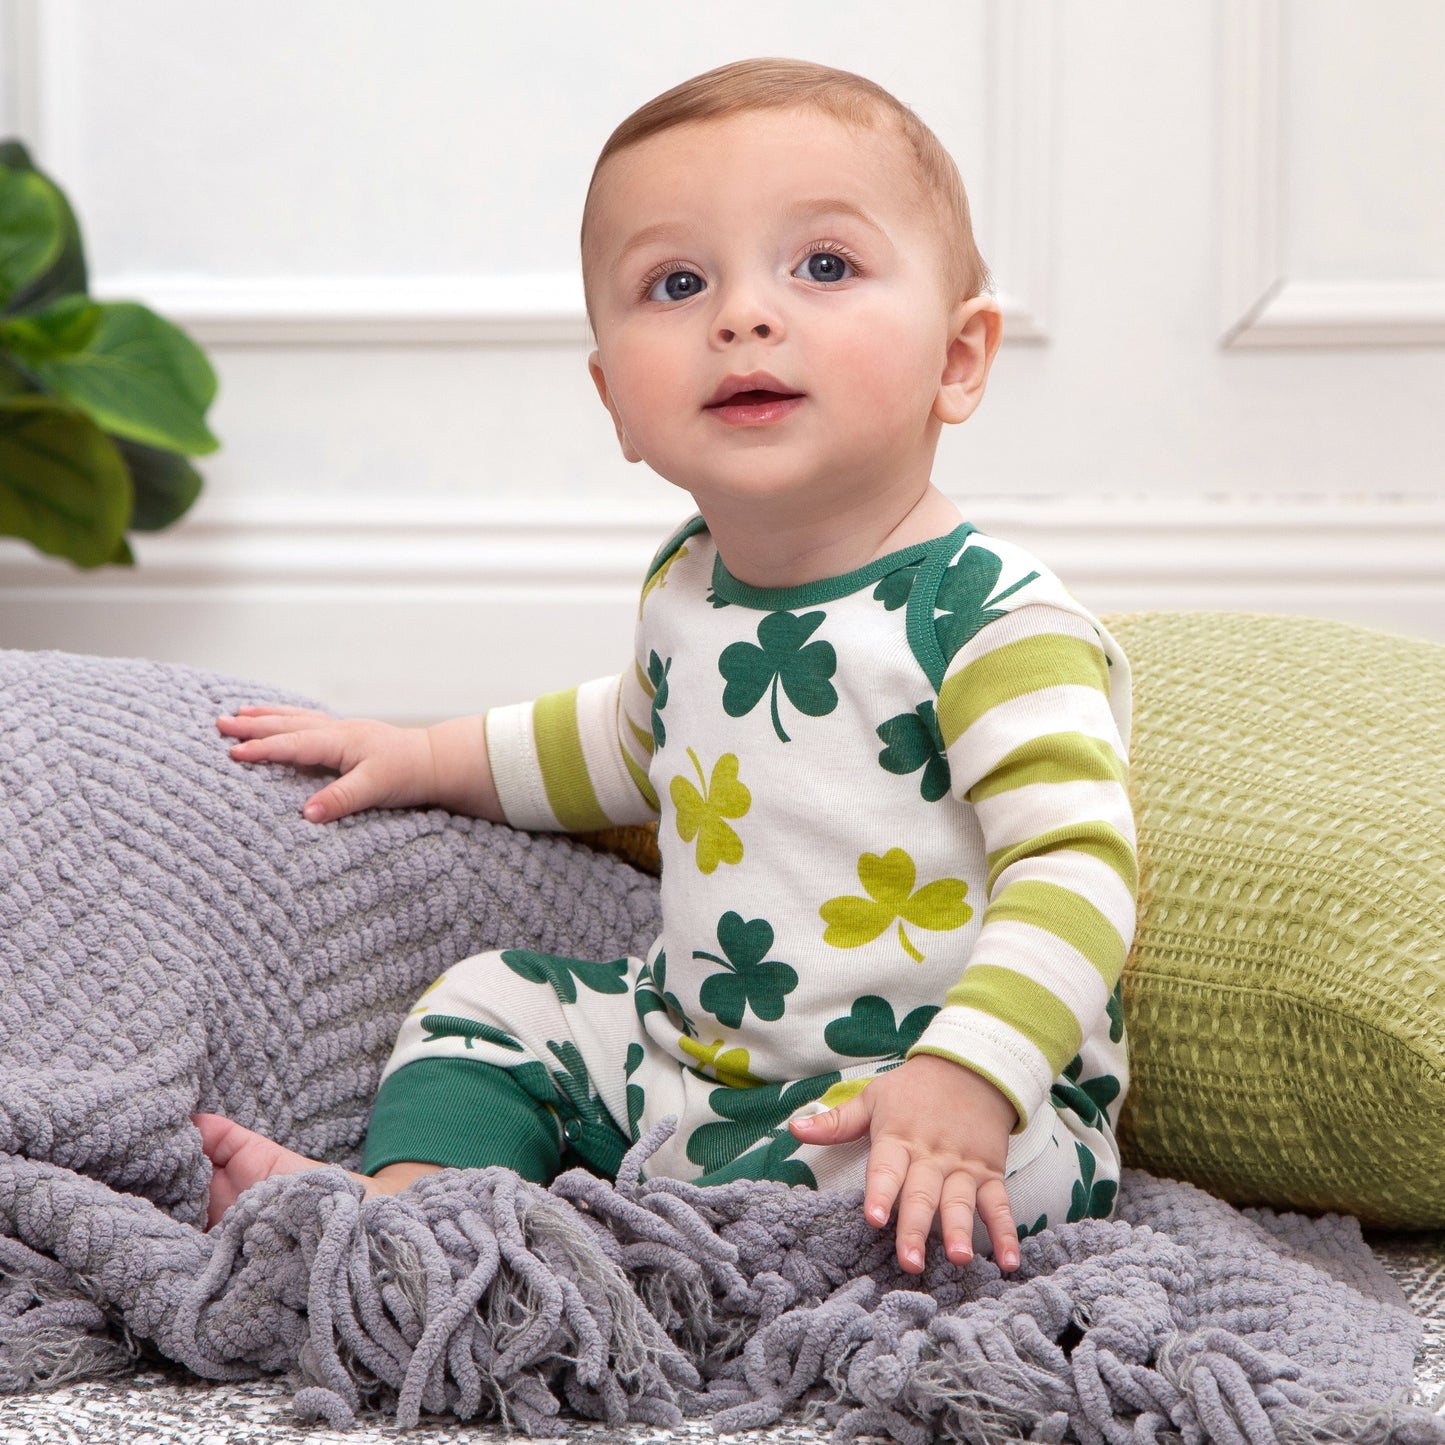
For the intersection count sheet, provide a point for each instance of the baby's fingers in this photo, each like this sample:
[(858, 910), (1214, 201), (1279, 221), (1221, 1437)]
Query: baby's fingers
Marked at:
[(361, 788), (997, 1215), (265, 722), (301, 749)]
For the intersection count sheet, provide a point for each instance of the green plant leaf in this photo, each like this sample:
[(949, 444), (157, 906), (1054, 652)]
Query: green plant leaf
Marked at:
[(62, 328), (65, 276), (32, 230), (140, 378), (63, 486), (163, 485), (13, 381)]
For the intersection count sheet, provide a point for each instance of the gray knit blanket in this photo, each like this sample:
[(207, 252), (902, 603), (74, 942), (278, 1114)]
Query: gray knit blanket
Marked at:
[(174, 937)]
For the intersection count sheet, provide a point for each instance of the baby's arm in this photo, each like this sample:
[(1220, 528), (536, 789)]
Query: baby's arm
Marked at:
[(381, 766)]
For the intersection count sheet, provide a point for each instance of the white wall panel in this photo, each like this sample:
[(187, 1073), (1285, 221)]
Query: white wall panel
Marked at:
[(1216, 228)]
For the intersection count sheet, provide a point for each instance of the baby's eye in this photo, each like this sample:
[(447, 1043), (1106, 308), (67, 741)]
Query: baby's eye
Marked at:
[(825, 266), (676, 286)]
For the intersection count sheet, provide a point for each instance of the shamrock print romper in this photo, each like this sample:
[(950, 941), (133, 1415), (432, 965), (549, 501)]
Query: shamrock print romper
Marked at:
[(893, 820)]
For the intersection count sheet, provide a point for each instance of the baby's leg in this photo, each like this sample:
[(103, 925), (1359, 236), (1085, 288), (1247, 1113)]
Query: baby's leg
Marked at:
[(516, 1059), (240, 1157)]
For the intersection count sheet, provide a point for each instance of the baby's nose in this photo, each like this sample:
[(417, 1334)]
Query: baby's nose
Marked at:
[(762, 329)]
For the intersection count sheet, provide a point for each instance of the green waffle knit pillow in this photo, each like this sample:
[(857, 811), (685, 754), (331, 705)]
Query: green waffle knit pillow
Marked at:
[(1286, 992)]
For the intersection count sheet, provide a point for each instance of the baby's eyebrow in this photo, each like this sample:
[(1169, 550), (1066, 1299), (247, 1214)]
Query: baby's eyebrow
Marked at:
[(799, 210)]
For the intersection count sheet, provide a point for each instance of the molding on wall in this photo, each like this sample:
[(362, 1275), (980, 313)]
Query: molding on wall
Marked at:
[(530, 308), (1260, 304), (1022, 79), (411, 612), (401, 542)]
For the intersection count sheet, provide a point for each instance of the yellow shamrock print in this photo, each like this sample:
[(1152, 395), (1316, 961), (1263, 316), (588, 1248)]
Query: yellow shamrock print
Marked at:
[(888, 882), (701, 815), (659, 578), (729, 1066)]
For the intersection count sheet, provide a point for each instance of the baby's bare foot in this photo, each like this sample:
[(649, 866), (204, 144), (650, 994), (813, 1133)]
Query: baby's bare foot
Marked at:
[(240, 1157)]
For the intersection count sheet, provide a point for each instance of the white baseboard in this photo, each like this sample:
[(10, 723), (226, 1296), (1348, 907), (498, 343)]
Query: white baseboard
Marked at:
[(412, 612)]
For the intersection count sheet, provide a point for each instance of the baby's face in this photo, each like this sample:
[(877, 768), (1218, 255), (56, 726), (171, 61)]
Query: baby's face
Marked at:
[(777, 242)]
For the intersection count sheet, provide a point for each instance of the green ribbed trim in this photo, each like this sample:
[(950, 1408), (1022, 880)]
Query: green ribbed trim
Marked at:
[(689, 528), (1067, 916), (1013, 671), (827, 589), (1025, 1006), (1097, 839), (461, 1114), (564, 768), (922, 629), (1053, 758)]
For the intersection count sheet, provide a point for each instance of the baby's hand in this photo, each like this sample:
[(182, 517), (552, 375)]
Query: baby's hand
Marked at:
[(940, 1137), (381, 766)]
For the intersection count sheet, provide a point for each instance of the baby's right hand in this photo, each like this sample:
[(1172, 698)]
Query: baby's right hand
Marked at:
[(381, 766)]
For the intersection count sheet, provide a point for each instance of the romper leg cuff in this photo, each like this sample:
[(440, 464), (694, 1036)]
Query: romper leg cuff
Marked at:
[(461, 1114)]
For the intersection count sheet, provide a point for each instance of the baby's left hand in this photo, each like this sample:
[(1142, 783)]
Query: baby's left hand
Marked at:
[(940, 1137)]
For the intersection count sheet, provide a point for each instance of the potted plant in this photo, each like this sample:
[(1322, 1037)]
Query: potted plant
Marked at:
[(100, 402)]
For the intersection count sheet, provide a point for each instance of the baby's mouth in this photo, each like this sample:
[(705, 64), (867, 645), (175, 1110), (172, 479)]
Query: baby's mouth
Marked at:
[(754, 398)]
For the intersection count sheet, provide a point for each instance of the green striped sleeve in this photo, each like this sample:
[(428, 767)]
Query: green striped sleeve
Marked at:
[(1053, 758), (1068, 916), (1098, 839), (1013, 671), (564, 768), (1024, 1005)]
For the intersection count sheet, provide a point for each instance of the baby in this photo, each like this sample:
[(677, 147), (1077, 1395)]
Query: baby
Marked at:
[(886, 752)]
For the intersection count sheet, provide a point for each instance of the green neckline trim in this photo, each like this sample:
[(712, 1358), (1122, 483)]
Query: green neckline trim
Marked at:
[(830, 589), (689, 528), (922, 634)]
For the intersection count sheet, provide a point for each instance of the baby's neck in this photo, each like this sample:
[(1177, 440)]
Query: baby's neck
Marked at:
[(764, 554)]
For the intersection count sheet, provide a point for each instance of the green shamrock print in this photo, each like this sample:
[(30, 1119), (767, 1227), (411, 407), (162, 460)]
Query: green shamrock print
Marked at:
[(869, 1031), (748, 982), (702, 815), (1037, 1227), (561, 972), (1090, 1200), (446, 1026), (781, 658), (652, 995), (770, 1161), (914, 741), (888, 881), (657, 671), (751, 1114), (962, 592), (636, 1099), (1116, 1013), (896, 588), (1089, 1100), (574, 1083)]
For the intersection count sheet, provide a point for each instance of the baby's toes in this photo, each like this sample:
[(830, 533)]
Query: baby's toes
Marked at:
[(241, 1157)]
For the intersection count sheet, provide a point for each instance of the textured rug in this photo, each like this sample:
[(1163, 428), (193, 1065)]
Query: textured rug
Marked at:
[(174, 937), (167, 1406)]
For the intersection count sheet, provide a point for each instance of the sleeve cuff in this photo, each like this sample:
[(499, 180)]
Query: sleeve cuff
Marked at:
[(980, 1042)]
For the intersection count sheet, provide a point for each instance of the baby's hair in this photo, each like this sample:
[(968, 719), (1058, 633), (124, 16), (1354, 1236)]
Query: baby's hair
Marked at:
[(772, 83)]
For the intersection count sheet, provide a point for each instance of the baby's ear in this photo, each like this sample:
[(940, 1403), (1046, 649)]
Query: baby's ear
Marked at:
[(599, 380), (976, 327)]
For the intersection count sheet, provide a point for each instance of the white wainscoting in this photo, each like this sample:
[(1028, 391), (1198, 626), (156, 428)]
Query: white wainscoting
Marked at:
[(414, 612)]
